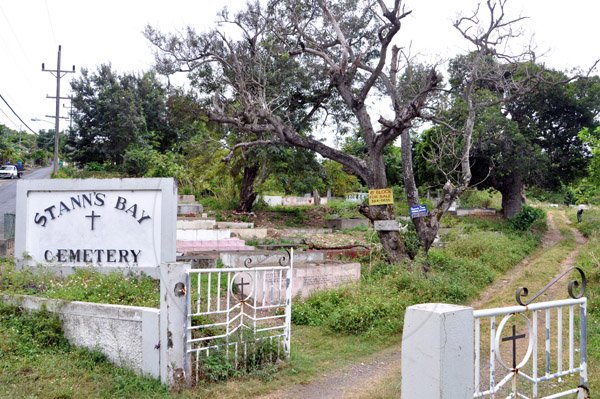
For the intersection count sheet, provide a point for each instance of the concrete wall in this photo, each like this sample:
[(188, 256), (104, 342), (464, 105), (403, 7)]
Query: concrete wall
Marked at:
[(202, 234), (310, 277), (341, 224), (196, 224), (475, 212), (277, 200), (7, 247), (267, 258), (127, 335)]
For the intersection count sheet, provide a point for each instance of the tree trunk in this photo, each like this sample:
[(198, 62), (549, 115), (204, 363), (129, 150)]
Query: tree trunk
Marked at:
[(316, 197), (247, 193), (512, 195), (426, 227), (392, 242)]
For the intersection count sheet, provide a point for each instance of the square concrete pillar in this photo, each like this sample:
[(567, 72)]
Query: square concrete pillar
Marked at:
[(175, 369), (437, 352)]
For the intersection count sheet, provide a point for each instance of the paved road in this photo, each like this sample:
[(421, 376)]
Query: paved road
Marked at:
[(8, 192)]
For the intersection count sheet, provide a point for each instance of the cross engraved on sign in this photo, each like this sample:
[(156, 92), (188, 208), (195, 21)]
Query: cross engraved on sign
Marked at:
[(93, 216), (514, 337)]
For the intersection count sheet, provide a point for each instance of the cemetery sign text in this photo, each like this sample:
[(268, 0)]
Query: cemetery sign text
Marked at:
[(96, 222)]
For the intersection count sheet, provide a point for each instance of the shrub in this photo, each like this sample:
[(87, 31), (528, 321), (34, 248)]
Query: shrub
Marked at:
[(528, 215), (342, 209), (489, 198)]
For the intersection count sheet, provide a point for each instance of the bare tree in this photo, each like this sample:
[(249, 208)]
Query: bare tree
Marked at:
[(291, 65), (487, 76), (286, 68)]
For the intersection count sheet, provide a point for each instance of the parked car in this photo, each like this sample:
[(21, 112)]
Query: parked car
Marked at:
[(9, 172)]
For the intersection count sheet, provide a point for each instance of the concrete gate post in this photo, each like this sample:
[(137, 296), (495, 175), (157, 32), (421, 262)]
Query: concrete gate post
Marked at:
[(437, 352), (175, 367)]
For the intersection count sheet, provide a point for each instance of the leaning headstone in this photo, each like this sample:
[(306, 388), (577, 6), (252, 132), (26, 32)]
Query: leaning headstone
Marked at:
[(104, 223)]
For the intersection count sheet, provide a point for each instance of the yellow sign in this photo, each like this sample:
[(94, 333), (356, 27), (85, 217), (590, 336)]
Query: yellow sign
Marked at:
[(383, 196)]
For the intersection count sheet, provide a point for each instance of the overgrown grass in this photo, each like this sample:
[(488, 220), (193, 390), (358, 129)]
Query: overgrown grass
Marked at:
[(589, 261), (472, 258), (590, 223), (474, 198), (342, 209), (84, 285), (36, 361), (340, 326)]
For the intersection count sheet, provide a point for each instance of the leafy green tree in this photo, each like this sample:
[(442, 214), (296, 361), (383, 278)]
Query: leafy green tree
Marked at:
[(533, 140), (591, 138), (338, 180), (294, 65), (113, 112)]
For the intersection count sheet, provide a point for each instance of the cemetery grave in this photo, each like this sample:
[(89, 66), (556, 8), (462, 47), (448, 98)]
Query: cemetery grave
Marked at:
[(327, 277)]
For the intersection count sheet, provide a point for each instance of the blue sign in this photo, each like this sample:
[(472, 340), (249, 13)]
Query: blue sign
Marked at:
[(418, 211)]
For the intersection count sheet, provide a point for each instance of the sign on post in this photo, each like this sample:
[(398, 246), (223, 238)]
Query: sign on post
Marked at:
[(418, 211), (382, 196), (107, 223), (386, 225)]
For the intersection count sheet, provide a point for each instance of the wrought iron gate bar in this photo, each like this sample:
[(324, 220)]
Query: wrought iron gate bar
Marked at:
[(520, 309), (235, 311), (551, 331), (572, 286)]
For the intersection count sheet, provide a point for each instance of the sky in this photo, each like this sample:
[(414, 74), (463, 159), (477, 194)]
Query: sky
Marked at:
[(95, 32)]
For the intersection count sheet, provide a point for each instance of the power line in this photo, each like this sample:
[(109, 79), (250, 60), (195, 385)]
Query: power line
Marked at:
[(8, 117), (50, 20), (17, 115), (15, 35)]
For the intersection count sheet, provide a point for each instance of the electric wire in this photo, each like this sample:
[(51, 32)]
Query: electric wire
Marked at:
[(15, 35), (17, 115), (50, 21), (8, 117)]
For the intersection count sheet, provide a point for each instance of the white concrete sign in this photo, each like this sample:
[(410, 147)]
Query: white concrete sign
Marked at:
[(386, 225), (96, 222)]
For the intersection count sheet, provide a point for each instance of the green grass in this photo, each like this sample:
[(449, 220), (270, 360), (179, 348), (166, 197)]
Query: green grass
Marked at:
[(84, 285), (590, 223), (338, 326), (589, 261), (473, 257), (36, 361)]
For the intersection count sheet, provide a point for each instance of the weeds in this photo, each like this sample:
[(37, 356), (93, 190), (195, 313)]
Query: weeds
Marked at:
[(84, 285), (470, 260)]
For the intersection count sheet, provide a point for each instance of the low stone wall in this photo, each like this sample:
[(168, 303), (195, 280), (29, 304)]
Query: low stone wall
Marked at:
[(202, 234), (300, 231), (475, 212), (247, 234), (127, 335), (267, 258), (310, 277), (340, 224), (196, 224)]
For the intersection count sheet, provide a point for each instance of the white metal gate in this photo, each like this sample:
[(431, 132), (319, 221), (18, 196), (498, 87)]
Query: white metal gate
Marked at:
[(242, 315), (537, 350)]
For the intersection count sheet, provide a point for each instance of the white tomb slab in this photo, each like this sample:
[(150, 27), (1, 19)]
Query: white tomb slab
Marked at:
[(105, 223)]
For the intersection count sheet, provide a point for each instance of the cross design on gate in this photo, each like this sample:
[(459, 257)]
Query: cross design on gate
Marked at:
[(240, 287), (514, 337)]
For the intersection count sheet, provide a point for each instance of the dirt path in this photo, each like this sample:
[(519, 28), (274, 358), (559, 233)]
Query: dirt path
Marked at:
[(360, 380)]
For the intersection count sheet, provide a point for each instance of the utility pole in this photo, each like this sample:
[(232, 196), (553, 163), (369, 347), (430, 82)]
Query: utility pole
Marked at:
[(58, 73)]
